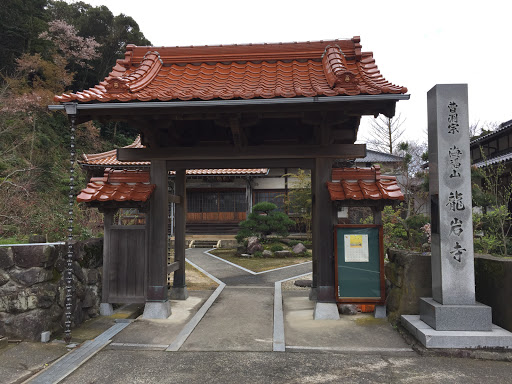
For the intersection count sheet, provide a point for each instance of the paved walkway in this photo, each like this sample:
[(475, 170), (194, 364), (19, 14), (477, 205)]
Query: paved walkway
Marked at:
[(226, 337), (241, 318)]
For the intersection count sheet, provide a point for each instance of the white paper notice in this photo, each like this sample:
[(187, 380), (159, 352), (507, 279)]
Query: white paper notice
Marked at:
[(356, 249)]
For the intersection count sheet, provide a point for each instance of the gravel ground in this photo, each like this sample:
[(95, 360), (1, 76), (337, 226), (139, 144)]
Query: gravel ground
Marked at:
[(290, 286)]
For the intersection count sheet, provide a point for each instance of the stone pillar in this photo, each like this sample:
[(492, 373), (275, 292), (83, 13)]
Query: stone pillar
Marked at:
[(452, 306), (323, 244), (179, 287), (452, 318), (157, 301)]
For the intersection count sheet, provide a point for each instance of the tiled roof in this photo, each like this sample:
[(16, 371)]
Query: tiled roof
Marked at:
[(109, 159), (378, 157), (506, 157), (118, 186), (323, 68), (505, 126), (363, 184)]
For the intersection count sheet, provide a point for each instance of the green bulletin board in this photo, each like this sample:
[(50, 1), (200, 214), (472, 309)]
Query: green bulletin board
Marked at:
[(359, 264)]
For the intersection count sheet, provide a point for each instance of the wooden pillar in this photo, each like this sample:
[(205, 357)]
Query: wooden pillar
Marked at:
[(323, 248), (377, 215), (106, 308), (179, 289), (157, 258)]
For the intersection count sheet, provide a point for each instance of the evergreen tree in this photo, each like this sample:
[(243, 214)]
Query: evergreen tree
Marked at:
[(264, 220)]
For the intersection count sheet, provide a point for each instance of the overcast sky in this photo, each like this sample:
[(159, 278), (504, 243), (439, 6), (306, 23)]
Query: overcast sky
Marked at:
[(415, 44)]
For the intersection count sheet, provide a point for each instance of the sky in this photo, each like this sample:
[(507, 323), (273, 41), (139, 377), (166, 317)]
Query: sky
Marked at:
[(415, 44)]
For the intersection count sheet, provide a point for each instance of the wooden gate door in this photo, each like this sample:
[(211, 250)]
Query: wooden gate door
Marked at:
[(125, 281)]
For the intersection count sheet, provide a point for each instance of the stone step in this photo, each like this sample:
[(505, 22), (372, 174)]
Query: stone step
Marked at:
[(203, 244)]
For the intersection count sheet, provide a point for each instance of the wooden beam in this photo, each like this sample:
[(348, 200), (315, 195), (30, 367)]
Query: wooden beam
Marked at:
[(173, 267), (334, 151)]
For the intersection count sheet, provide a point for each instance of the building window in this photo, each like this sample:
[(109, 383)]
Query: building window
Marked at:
[(276, 197), (216, 201)]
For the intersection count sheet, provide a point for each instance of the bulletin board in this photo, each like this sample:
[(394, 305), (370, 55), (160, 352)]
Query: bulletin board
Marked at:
[(359, 260)]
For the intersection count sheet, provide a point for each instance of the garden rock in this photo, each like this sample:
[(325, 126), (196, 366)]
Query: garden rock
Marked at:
[(6, 260), (299, 249), (253, 245), (267, 254), (305, 283), (246, 255), (348, 309), (284, 254)]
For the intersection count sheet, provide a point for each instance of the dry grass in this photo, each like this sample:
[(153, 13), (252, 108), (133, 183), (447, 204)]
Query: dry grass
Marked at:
[(196, 280), (258, 264)]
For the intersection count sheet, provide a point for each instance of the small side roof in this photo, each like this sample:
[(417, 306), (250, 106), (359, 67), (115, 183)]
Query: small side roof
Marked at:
[(363, 184), (109, 160)]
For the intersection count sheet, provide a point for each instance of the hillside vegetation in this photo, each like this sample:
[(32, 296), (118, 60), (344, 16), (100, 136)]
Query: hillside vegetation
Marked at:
[(47, 48)]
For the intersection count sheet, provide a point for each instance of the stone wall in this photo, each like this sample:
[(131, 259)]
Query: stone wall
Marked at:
[(409, 277), (493, 279), (32, 287)]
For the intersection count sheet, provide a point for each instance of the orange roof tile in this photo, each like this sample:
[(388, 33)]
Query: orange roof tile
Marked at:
[(115, 192), (364, 184), (118, 185), (323, 68)]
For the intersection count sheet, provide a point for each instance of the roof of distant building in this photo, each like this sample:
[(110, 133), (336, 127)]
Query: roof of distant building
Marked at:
[(251, 71), (503, 127), (378, 157), (109, 160)]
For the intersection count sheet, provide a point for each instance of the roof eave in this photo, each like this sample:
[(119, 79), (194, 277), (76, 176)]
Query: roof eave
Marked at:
[(72, 108)]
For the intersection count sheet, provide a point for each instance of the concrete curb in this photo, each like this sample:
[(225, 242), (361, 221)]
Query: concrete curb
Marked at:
[(189, 327), (278, 344)]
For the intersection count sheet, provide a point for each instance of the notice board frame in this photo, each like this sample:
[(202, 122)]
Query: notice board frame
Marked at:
[(361, 300)]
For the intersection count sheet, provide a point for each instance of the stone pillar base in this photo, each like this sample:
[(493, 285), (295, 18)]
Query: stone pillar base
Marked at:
[(326, 311), (475, 317), (157, 310), (106, 309), (380, 312), (180, 293), (431, 338)]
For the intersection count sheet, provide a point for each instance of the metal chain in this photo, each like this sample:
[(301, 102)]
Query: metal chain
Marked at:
[(69, 262)]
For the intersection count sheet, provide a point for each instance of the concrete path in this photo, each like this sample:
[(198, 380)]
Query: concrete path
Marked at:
[(120, 367), (241, 318)]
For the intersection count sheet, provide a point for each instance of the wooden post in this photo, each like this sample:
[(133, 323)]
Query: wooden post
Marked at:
[(323, 232), (106, 308), (157, 302), (179, 288), (377, 215)]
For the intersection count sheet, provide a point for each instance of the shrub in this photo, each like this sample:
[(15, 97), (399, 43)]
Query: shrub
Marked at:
[(276, 247), (263, 221)]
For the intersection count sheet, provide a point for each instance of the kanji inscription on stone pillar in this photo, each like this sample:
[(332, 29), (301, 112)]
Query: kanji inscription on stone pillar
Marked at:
[(453, 280)]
